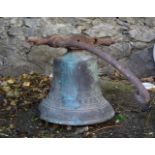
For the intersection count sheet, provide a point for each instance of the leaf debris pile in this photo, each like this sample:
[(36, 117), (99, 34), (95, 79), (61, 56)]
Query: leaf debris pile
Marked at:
[(17, 95), (23, 91)]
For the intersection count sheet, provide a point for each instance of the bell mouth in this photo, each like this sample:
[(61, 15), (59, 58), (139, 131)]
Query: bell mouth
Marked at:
[(76, 117)]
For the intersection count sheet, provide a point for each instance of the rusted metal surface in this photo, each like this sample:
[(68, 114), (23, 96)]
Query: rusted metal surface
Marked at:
[(54, 39), (87, 43)]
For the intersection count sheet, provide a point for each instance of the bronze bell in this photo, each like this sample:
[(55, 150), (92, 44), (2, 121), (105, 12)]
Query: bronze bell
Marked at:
[(75, 97)]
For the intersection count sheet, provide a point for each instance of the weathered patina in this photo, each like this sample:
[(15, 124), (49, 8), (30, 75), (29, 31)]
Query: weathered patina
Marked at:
[(75, 97)]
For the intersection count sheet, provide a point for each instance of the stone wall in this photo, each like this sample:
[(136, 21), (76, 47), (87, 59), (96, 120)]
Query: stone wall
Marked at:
[(134, 41)]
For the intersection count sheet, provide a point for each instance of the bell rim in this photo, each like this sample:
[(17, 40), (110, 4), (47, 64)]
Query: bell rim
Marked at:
[(100, 114), (80, 124)]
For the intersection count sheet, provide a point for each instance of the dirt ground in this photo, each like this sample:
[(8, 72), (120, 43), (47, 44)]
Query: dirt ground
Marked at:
[(19, 116)]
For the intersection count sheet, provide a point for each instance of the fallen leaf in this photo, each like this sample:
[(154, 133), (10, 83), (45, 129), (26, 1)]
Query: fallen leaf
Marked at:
[(152, 90), (11, 81), (6, 88), (25, 75), (147, 79), (13, 103), (26, 84), (4, 83), (8, 108), (10, 93)]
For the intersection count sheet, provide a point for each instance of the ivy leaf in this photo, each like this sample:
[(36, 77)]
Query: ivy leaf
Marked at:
[(120, 118)]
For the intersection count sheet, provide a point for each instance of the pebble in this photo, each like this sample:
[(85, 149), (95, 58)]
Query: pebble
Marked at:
[(80, 130), (51, 75), (68, 128), (90, 134)]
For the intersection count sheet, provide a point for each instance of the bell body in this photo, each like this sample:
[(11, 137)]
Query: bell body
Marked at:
[(75, 97)]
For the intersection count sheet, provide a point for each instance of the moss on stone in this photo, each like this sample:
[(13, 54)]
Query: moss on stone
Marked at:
[(113, 86)]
